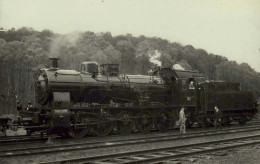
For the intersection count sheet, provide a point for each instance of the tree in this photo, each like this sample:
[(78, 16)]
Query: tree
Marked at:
[(127, 56)]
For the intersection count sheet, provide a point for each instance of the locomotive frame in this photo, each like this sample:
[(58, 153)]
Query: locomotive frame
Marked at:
[(78, 103)]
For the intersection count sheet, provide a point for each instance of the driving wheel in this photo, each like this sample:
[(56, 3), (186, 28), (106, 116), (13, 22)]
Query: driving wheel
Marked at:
[(144, 121), (125, 124)]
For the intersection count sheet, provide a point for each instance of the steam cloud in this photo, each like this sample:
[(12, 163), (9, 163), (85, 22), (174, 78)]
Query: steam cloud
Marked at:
[(154, 58), (60, 41), (177, 67)]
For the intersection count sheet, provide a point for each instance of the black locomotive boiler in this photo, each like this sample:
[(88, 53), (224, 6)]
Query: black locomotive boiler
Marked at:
[(101, 102)]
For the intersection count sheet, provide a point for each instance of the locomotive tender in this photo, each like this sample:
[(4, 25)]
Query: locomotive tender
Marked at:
[(77, 103)]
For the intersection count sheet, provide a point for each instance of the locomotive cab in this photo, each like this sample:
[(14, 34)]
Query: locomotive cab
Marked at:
[(188, 94), (188, 85)]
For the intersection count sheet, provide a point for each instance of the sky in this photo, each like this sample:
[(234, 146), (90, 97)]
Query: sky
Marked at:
[(229, 28)]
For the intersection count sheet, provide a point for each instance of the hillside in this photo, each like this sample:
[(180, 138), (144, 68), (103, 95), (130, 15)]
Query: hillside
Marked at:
[(25, 50)]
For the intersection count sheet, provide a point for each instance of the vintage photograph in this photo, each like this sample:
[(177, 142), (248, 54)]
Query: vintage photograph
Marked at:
[(130, 81)]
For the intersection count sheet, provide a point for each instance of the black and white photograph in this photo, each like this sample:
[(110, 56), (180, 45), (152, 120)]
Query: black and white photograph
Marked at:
[(129, 81)]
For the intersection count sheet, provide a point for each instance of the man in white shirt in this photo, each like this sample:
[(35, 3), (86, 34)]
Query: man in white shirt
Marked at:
[(182, 120), (191, 86)]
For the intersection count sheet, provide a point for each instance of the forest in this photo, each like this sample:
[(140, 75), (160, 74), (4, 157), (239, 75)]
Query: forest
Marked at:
[(25, 50)]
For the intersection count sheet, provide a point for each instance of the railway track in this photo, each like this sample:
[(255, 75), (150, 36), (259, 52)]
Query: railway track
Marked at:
[(38, 138), (166, 153), (120, 142), (21, 139)]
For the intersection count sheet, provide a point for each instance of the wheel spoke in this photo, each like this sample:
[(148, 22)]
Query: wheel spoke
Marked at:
[(125, 124), (144, 121), (163, 121), (103, 128), (78, 133), (189, 123)]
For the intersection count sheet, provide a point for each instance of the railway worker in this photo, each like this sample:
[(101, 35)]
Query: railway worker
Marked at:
[(182, 120), (191, 86), (217, 120), (19, 106)]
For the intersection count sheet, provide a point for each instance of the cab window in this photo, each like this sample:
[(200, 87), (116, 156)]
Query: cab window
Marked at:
[(191, 84), (184, 84)]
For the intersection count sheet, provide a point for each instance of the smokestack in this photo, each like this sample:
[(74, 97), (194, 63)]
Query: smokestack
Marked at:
[(54, 63)]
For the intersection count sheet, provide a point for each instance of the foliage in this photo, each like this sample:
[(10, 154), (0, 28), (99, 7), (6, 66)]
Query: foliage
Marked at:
[(25, 50)]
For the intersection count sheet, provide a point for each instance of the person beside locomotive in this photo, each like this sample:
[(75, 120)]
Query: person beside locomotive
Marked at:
[(182, 120), (19, 106), (217, 119)]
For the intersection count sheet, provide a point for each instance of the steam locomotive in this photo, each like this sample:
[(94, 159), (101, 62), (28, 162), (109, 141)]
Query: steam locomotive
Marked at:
[(101, 102)]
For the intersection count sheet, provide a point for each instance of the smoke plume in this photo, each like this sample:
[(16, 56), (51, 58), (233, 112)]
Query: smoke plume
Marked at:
[(59, 42), (155, 58)]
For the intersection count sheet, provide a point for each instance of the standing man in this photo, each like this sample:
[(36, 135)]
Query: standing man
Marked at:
[(182, 120), (19, 106), (217, 120), (191, 86)]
